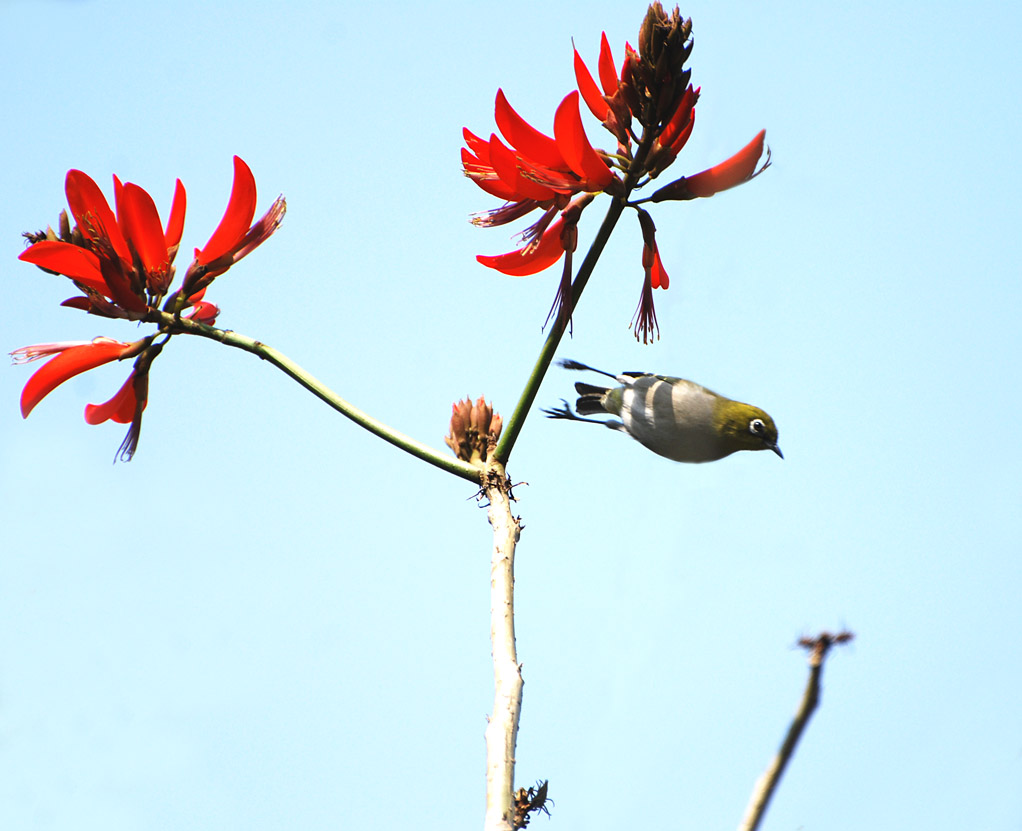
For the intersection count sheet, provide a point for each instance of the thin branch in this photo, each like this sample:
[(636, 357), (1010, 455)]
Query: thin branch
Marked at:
[(502, 730), (177, 325), (768, 782)]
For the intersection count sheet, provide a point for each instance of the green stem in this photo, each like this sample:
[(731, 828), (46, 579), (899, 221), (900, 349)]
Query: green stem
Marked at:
[(514, 425), (174, 325)]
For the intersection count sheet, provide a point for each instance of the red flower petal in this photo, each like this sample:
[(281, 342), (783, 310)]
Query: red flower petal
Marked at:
[(124, 288), (118, 193), (237, 217), (608, 73), (67, 259), (524, 137), (576, 149), (505, 163), (682, 138), (479, 146), (67, 364), (176, 220), (728, 173), (473, 165), (681, 118), (520, 263), (486, 177), (92, 213), (659, 277), (120, 408), (204, 312), (141, 223), (590, 92)]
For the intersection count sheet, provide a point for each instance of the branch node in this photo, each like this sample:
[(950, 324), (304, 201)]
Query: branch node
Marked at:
[(529, 801), (819, 646)]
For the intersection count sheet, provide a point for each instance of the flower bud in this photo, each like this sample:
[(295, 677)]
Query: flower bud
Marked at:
[(475, 428), (664, 46)]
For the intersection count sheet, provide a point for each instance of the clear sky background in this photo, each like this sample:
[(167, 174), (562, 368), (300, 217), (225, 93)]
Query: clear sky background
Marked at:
[(270, 619)]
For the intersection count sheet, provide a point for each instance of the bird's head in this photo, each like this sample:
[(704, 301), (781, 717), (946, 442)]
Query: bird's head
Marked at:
[(744, 427)]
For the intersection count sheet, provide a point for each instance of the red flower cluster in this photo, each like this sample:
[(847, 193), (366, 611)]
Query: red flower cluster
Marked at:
[(561, 175), (122, 263)]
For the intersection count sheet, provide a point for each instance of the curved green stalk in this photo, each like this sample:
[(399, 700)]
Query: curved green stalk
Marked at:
[(174, 325)]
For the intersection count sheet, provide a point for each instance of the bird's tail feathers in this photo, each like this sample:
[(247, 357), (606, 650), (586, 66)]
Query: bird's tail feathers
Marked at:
[(590, 400), (589, 389)]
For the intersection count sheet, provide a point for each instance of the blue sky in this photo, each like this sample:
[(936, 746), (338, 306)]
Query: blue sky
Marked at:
[(271, 619)]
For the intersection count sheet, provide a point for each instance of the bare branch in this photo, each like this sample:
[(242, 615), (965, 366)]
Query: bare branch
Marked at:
[(768, 782)]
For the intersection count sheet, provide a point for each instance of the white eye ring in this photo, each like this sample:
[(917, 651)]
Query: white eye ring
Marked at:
[(756, 426)]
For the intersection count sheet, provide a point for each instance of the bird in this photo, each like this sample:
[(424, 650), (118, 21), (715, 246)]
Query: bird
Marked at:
[(674, 418)]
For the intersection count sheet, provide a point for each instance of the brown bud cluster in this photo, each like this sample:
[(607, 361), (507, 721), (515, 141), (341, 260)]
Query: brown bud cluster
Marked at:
[(654, 79), (475, 428)]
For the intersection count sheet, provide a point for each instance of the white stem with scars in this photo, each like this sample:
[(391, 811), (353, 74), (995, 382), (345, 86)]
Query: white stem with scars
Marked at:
[(502, 730)]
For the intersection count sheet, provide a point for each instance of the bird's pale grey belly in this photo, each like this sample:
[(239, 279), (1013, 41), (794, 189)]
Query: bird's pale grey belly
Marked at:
[(674, 420)]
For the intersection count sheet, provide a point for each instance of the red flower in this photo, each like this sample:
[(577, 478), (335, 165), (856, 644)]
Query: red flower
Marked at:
[(123, 264), (235, 237), (536, 171), (675, 134), (595, 100), (532, 170), (153, 247), (121, 408), (126, 407), (203, 312), (529, 260), (77, 263), (738, 169), (613, 106), (70, 358), (644, 320), (536, 167), (658, 276)]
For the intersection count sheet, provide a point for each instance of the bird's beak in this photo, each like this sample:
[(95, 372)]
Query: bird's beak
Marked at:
[(777, 450)]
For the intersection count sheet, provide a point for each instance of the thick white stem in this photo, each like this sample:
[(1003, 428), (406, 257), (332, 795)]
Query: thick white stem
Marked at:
[(502, 730)]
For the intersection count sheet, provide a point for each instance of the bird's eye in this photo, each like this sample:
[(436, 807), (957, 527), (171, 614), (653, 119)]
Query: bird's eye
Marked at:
[(756, 427)]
